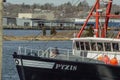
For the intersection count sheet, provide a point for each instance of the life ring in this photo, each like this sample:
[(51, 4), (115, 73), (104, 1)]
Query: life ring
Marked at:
[(17, 62)]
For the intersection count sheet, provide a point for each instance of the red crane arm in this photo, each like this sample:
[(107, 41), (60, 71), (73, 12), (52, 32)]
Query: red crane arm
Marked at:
[(80, 32), (110, 16), (97, 15), (108, 10), (114, 16), (97, 19)]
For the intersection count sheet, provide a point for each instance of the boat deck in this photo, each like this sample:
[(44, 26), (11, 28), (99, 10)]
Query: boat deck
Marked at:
[(64, 54)]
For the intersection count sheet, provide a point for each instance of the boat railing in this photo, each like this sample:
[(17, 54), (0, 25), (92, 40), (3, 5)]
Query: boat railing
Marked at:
[(62, 52), (29, 51), (43, 53), (93, 55), (65, 54)]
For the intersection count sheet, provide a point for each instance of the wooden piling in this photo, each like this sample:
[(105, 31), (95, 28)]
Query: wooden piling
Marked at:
[(1, 31)]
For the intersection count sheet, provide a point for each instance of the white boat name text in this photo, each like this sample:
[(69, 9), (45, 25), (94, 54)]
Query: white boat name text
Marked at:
[(66, 67)]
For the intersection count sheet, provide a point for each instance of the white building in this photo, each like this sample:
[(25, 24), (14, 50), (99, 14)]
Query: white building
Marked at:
[(48, 15)]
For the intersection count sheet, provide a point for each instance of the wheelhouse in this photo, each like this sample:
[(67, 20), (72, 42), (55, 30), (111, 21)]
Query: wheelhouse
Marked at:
[(91, 44)]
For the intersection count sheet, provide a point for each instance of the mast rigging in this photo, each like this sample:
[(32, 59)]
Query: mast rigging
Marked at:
[(97, 15)]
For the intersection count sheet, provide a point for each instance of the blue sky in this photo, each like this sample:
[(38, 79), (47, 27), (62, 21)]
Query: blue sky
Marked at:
[(58, 2)]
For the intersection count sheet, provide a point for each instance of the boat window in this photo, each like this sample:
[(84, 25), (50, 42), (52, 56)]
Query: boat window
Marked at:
[(100, 46), (107, 47), (87, 45), (115, 46), (82, 45), (93, 46), (77, 45)]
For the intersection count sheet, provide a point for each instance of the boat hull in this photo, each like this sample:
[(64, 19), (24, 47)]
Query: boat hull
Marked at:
[(36, 68)]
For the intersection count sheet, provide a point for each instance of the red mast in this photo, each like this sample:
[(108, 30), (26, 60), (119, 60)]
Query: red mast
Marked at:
[(107, 18), (96, 7), (97, 18)]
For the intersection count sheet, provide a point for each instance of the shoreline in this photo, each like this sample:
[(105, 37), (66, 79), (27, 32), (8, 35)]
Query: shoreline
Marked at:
[(66, 35), (59, 36), (30, 38)]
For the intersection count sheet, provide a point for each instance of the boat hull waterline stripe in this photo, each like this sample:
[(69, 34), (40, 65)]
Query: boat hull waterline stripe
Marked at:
[(37, 64)]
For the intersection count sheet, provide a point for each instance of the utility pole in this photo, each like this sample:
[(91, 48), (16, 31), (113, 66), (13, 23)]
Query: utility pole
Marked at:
[(1, 30)]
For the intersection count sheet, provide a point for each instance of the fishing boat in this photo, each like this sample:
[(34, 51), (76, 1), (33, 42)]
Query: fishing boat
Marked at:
[(91, 58)]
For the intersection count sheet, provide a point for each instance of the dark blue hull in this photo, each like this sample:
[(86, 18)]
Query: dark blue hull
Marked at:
[(50, 69)]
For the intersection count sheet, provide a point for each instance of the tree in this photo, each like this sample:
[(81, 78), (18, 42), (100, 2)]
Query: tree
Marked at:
[(47, 6), (83, 6), (89, 32)]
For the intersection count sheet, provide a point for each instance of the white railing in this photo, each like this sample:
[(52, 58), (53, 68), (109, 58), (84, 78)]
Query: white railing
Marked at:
[(43, 53), (29, 51), (64, 54)]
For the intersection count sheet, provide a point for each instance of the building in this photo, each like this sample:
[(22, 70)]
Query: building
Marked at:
[(29, 22), (112, 22), (43, 14), (25, 15), (9, 21)]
